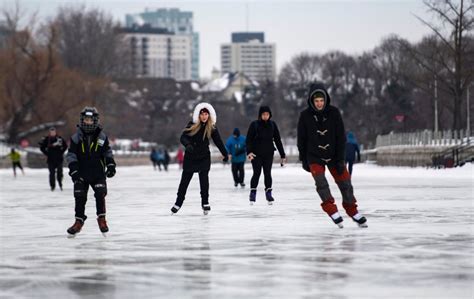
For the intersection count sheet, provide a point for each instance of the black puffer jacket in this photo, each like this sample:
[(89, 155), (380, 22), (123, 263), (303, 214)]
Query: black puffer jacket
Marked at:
[(53, 148), (262, 134), (200, 157), (321, 136), (90, 154)]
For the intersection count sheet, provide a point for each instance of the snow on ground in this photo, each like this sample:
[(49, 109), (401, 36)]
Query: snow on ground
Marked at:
[(419, 243)]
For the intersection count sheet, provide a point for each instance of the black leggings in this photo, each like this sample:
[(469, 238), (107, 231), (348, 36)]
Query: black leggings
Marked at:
[(53, 167), (186, 177), (258, 163), (15, 165), (238, 172)]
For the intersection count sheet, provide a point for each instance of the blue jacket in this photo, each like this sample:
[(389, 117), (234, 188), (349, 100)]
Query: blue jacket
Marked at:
[(352, 147), (236, 147)]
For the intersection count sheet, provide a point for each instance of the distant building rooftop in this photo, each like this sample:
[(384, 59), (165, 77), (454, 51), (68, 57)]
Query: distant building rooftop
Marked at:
[(145, 29), (245, 37)]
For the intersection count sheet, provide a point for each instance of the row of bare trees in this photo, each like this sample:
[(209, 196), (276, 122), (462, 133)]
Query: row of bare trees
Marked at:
[(392, 87), (49, 70)]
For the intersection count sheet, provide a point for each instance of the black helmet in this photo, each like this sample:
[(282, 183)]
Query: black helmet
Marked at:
[(89, 112)]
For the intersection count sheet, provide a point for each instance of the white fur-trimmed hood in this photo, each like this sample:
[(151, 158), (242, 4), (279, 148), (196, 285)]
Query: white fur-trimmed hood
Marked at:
[(199, 107)]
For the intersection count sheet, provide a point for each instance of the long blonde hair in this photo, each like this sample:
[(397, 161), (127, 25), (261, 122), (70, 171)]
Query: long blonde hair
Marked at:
[(191, 131)]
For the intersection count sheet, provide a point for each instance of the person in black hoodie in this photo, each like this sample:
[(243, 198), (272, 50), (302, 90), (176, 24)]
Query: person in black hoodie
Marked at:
[(54, 146), (197, 157), (261, 136), (90, 161), (321, 142)]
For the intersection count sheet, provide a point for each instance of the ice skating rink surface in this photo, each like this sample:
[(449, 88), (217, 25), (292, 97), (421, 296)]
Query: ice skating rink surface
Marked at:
[(419, 243)]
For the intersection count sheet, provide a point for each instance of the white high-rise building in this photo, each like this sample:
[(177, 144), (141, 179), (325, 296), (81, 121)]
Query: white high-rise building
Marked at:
[(157, 53), (248, 53), (175, 21)]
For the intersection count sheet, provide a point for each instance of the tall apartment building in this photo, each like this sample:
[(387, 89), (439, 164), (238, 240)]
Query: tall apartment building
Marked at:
[(175, 21), (158, 53), (248, 53)]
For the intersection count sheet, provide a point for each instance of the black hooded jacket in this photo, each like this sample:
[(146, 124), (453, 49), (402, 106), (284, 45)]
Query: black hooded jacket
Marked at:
[(261, 135), (53, 148), (321, 135)]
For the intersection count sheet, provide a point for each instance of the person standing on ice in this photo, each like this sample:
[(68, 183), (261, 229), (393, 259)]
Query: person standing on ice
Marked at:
[(53, 147), (235, 146), (15, 157), (352, 148), (197, 157), (261, 136), (321, 142), (90, 161), (180, 157)]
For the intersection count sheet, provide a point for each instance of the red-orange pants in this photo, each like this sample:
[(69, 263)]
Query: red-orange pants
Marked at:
[(343, 181)]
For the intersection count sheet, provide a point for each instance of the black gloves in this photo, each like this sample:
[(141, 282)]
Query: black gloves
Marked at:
[(225, 159), (190, 148), (304, 162), (75, 176), (110, 170), (340, 167)]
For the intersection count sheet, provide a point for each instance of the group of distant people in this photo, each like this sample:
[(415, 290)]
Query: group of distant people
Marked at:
[(159, 158)]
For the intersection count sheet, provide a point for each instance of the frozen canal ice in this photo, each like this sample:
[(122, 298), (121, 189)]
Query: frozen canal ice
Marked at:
[(419, 243)]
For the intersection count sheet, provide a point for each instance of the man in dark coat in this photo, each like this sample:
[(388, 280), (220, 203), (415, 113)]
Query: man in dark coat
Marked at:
[(90, 161), (54, 146), (262, 136), (321, 143)]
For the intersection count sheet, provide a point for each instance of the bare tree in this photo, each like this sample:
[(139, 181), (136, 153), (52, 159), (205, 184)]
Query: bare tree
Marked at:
[(296, 76), (452, 58), (28, 67), (35, 88), (90, 42)]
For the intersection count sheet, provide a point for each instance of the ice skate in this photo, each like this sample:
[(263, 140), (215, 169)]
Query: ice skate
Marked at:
[(102, 225), (360, 220), (336, 217), (269, 197), (75, 228), (252, 196), (206, 209), (175, 209)]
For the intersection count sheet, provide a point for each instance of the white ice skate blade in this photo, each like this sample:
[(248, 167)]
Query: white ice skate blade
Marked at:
[(270, 203), (251, 203), (205, 212), (340, 225), (363, 225), (71, 236), (104, 235)]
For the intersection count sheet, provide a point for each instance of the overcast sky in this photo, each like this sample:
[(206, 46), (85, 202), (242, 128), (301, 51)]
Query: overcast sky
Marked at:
[(294, 26)]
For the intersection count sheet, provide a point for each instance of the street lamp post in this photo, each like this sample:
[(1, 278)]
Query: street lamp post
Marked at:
[(468, 116), (436, 105)]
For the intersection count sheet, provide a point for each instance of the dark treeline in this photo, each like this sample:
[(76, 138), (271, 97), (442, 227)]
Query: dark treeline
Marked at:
[(50, 70)]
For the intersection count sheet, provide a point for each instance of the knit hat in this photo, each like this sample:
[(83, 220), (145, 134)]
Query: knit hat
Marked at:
[(318, 94), (204, 110), (236, 132)]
